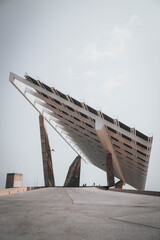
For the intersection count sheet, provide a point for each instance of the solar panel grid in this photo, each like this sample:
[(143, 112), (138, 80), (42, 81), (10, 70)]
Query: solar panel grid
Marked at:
[(61, 94), (122, 125), (141, 135), (141, 159), (78, 121), (125, 127), (141, 145), (85, 132), (137, 170), (109, 119), (47, 87), (126, 141), (80, 124), (125, 153), (76, 102), (135, 154)]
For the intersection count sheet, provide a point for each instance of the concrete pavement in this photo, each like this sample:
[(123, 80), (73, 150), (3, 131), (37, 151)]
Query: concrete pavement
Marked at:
[(79, 213)]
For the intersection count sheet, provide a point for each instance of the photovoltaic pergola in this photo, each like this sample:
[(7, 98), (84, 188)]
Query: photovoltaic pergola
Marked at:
[(90, 133)]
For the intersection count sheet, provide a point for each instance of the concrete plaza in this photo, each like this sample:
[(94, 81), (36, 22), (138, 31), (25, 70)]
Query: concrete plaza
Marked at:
[(78, 214)]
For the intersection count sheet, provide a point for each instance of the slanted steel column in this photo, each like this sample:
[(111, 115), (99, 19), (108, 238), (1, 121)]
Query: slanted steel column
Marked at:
[(46, 155), (110, 170), (73, 175)]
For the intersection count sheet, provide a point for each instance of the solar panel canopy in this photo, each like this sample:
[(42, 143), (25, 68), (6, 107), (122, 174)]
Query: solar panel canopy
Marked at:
[(90, 133)]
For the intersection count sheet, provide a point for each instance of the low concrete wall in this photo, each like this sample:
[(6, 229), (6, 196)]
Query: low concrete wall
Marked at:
[(151, 193), (9, 191)]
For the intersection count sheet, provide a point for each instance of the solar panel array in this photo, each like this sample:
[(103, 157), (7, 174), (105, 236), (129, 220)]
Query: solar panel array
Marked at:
[(76, 123)]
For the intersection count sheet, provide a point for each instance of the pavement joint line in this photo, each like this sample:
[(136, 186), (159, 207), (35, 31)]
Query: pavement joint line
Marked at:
[(112, 206), (136, 214), (68, 196), (139, 224), (107, 217)]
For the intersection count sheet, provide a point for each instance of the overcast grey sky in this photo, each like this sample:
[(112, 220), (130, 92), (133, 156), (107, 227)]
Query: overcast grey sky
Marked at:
[(106, 53)]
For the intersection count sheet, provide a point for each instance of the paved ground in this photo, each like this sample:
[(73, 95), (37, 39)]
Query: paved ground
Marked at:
[(79, 213)]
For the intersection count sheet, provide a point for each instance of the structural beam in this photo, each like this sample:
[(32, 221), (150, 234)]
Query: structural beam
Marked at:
[(73, 175), (104, 138), (46, 155)]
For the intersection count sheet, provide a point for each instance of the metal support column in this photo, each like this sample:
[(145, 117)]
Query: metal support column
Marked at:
[(46, 155)]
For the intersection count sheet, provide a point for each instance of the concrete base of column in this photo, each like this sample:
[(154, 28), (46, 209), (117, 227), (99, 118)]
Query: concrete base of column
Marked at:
[(119, 184)]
